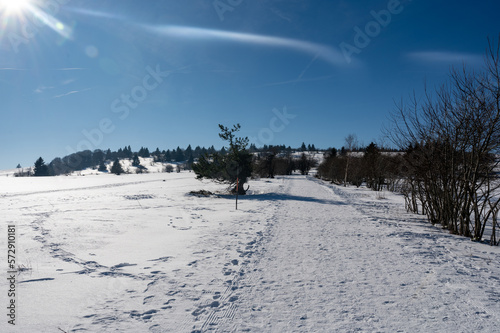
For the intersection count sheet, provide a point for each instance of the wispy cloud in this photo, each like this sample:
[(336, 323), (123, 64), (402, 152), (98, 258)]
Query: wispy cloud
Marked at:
[(66, 94), (71, 93), (445, 57), (307, 67), (41, 89), (68, 69), (324, 52), (51, 69), (68, 81), (95, 13), (13, 69), (281, 15), (298, 80)]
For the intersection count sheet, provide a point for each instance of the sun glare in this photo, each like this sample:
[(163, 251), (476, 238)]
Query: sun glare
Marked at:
[(14, 6)]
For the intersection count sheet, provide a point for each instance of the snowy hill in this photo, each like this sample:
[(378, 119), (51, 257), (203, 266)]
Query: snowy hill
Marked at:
[(148, 163)]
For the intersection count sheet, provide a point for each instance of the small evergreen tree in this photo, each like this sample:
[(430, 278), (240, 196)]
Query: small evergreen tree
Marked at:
[(144, 152), (117, 168), (109, 156), (157, 154), (179, 155), (40, 168), (102, 167), (189, 164), (235, 165), (197, 152), (135, 161), (188, 152), (128, 152), (168, 156), (305, 164)]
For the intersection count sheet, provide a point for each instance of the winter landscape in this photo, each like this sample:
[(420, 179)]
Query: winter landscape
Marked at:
[(137, 253), (265, 166)]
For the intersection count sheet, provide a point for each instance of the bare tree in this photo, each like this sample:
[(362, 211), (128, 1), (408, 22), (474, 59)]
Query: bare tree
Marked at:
[(452, 142), (351, 142)]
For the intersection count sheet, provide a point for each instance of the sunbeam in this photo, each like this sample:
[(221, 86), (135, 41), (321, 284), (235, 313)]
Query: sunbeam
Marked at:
[(15, 7), (32, 15), (53, 23)]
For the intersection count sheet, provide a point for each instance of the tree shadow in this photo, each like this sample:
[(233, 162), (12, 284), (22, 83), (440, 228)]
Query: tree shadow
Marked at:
[(282, 197)]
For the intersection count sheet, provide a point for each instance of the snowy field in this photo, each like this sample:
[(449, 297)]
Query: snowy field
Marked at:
[(135, 253)]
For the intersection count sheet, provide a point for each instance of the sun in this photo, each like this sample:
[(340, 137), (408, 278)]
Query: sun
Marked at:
[(14, 6)]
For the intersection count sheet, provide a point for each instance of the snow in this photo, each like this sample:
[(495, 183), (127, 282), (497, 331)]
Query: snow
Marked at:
[(136, 253)]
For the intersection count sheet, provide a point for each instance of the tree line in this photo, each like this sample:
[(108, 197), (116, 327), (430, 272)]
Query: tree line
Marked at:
[(101, 159), (98, 159)]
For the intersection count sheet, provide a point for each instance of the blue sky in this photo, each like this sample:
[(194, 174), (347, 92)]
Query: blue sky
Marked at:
[(80, 74)]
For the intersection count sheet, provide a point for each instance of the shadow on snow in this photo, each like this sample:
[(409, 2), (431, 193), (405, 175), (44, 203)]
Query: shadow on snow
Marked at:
[(282, 197)]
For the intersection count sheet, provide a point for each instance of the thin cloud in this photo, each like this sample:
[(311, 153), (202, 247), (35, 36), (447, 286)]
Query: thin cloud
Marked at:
[(281, 15), (71, 93), (307, 67), (298, 80), (52, 69), (41, 89), (68, 81), (445, 57), (68, 69), (95, 13), (324, 52)]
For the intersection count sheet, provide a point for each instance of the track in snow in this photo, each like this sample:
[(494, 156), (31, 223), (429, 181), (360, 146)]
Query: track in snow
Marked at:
[(332, 262)]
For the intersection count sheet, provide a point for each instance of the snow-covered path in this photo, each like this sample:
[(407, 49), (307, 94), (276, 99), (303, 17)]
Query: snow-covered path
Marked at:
[(332, 262)]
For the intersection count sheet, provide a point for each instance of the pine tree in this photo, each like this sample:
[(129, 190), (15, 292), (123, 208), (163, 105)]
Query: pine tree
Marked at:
[(135, 161), (102, 167), (197, 152), (40, 168), (303, 147), (189, 164), (188, 152), (179, 155), (144, 152), (168, 156), (109, 156), (235, 165), (117, 167)]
